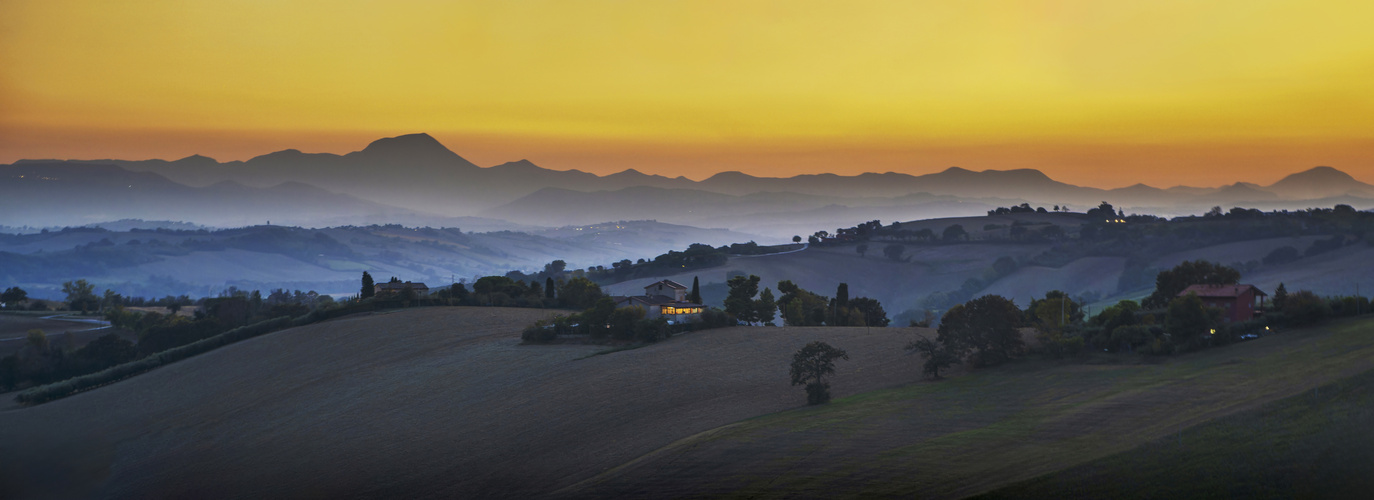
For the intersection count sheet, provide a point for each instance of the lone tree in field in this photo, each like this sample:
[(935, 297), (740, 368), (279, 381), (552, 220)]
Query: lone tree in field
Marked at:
[(796, 239), (810, 365), (80, 295), (954, 233), (937, 356), (14, 296), (984, 329), (894, 251), (369, 288)]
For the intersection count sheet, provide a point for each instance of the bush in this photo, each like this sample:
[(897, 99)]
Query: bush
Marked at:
[(538, 333), (714, 318), (1305, 308), (651, 330), (1132, 337), (1062, 347)]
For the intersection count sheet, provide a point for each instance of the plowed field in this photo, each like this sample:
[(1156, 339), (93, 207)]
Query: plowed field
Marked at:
[(436, 402)]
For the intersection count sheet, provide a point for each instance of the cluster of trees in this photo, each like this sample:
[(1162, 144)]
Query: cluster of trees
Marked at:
[(696, 256), (40, 361), (603, 320), (984, 331), (1023, 208), (800, 307)]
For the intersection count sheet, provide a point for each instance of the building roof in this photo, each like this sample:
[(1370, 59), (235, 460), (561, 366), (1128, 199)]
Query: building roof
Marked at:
[(396, 285), (669, 284), (656, 300), (1224, 291)]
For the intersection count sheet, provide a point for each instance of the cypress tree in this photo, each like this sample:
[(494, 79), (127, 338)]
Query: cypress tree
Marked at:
[(842, 295), (369, 288), (695, 296), (548, 287)]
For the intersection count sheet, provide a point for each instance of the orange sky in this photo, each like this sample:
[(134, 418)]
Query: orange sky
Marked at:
[(1095, 93)]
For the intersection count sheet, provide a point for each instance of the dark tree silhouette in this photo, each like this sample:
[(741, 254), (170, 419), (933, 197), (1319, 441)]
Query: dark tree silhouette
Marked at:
[(810, 365), (740, 302), (548, 288), (937, 356), (984, 329), (954, 232), (894, 251), (695, 295), (369, 288), (765, 308), (13, 296), (796, 239)]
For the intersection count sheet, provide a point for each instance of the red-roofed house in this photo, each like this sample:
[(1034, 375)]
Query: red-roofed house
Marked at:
[(1237, 302)]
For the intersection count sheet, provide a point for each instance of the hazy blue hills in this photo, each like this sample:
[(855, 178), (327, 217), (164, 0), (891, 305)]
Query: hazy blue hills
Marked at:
[(161, 261), (417, 174)]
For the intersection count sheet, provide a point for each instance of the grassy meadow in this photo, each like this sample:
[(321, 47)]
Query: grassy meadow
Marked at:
[(992, 427), (1316, 444)]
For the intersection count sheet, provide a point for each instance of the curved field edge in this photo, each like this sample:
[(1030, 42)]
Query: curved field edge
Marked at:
[(1316, 444), (993, 427), (63, 388)]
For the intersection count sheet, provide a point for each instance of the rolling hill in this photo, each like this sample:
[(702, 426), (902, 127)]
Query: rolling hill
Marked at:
[(155, 263), (443, 402), (433, 402)]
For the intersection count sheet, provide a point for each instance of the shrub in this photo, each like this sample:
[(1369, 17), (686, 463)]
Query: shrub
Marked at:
[(651, 330), (1304, 308), (713, 318), (1132, 337), (539, 332)]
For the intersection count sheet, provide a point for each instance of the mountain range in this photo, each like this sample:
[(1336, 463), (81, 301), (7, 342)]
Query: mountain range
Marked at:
[(415, 179)]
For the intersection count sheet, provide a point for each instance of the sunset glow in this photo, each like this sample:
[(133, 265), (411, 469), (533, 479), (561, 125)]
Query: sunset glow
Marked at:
[(1081, 90)]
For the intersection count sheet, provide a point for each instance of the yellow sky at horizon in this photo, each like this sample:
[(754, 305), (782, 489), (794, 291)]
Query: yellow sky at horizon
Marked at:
[(1078, 89)]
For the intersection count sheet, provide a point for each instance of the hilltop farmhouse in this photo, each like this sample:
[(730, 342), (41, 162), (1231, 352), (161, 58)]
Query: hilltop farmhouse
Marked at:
[(1237, 302), (396, 287), (665, 298)]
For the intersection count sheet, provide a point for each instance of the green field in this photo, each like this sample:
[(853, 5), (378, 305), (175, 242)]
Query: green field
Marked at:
[(994, 427), (1317, 444)]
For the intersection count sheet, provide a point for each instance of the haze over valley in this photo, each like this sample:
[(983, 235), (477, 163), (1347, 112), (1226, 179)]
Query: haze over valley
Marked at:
[(597, 249)]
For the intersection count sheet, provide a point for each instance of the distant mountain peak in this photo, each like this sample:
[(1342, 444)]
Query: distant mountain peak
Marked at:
[(1324, 174), (198, 160), (409, 143)]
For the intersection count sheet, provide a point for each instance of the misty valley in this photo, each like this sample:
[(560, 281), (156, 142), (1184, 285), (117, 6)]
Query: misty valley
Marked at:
[(373, 357)]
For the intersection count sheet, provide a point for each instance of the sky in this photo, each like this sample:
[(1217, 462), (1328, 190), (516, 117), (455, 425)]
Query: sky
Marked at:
[(1105, 94)]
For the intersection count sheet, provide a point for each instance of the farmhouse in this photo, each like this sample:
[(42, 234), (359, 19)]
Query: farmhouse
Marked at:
[(397, 286), (1237, 302), (666, 298)]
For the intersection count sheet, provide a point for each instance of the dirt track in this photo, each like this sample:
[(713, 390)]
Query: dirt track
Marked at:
[(438, 402)]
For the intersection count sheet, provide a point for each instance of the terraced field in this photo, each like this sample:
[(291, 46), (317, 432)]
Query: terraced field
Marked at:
[(436, 402)]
